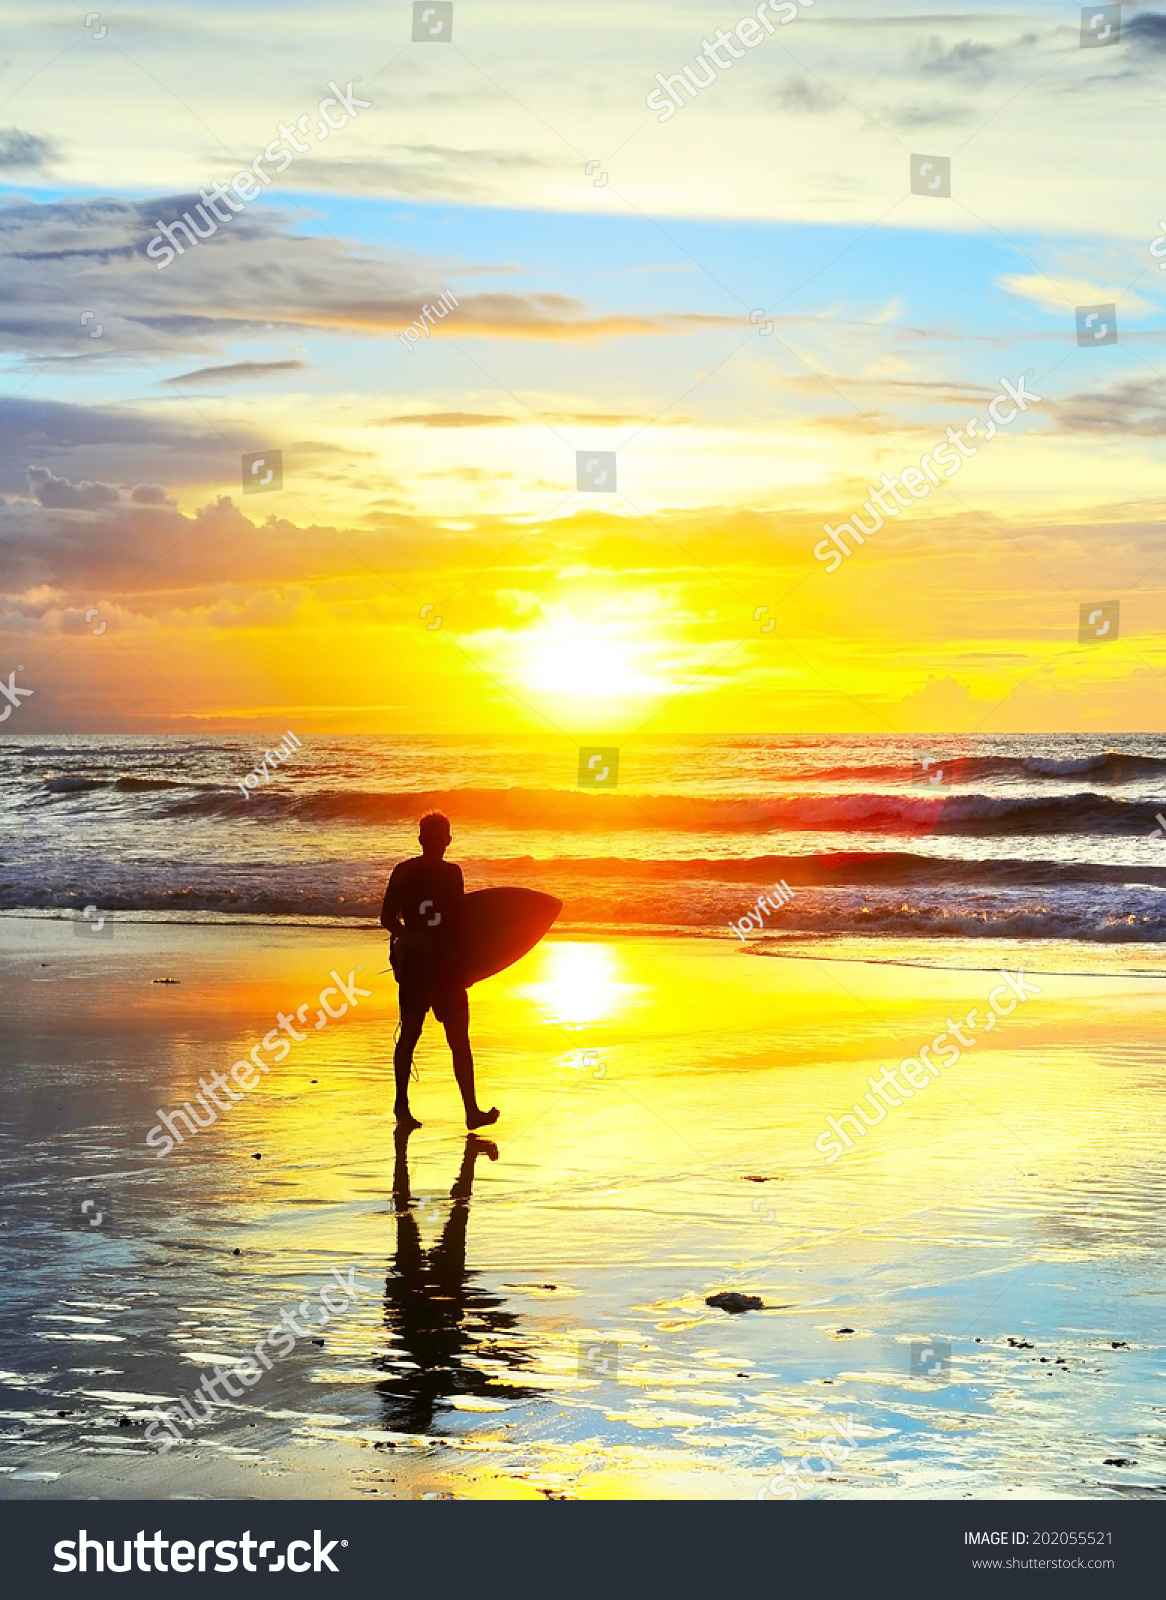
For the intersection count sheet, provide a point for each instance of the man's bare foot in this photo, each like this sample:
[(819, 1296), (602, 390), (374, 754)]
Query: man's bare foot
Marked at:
[(405, 1118), (481, 1119)]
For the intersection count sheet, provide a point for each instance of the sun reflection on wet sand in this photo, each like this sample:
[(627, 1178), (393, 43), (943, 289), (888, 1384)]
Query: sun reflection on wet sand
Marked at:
[(579, 982)]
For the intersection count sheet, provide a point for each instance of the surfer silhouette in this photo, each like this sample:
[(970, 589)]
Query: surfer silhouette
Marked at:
[(422, 912)]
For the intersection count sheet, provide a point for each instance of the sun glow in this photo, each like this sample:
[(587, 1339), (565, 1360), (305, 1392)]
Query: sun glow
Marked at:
[(580, 983), (569, 657)]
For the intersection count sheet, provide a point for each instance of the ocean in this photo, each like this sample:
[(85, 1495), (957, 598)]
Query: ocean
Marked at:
[(1043, 840)]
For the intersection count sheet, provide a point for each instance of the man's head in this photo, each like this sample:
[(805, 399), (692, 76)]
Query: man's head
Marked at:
[(434, 834)]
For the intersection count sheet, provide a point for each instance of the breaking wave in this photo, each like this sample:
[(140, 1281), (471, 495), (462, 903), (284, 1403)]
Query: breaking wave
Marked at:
[(559, 810)]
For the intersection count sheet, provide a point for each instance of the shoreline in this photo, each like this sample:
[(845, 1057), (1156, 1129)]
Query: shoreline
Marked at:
[(915, 952)]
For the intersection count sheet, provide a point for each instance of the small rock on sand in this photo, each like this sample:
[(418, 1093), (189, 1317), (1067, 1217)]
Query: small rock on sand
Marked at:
[(735, 1302)]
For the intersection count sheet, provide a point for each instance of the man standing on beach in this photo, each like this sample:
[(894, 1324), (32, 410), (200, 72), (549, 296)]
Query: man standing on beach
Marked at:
[(422, 912)]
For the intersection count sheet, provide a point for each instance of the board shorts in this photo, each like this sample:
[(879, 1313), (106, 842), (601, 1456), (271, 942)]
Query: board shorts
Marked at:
[(427, 982)]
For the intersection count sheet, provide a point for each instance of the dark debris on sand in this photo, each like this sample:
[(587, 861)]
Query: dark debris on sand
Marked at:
[(735, 1302)]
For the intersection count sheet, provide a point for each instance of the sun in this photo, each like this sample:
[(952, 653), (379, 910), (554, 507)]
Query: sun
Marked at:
[(586, 661), (580, 983)]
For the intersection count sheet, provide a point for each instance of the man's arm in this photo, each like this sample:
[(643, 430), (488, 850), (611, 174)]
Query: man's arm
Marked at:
[(391, 908)]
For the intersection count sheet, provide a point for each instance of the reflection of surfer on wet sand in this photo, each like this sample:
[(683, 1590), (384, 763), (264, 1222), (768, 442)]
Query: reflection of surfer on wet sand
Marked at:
[(442, 940), (445, 1326)]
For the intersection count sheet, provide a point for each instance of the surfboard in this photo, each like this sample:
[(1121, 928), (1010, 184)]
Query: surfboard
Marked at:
[(499, 926)]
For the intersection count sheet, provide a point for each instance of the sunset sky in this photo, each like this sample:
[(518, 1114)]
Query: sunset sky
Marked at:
[(603, 310)]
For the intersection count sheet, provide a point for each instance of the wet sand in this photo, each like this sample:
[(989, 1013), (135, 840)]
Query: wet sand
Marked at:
[(544, 1332)]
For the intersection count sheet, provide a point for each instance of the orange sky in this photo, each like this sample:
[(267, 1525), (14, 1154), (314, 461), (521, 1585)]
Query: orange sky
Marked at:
[(756, 331)]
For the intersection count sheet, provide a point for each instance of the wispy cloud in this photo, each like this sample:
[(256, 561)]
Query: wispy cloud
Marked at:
[(236, 371), (256, 275), (29, 152)]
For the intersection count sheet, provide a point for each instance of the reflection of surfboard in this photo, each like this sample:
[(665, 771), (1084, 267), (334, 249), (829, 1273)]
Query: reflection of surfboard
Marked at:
[(500, 925)]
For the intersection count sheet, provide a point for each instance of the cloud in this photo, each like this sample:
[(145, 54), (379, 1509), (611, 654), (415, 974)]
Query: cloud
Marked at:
[(110, 444), (429, 170), (262, 608), (150, 494), (485, 419), (1134, 408), (612, 419), (235, 370), (254, 275), (1149, 29), (941, 702), (967, 58), (927, 116), (61, 495), (799, 94), (1061, 294), (26, 150), (447, 419)]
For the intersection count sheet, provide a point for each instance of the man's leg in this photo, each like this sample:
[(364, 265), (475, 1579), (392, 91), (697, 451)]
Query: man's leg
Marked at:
[(412, 1022), (448, 1256), (455, 1019)]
